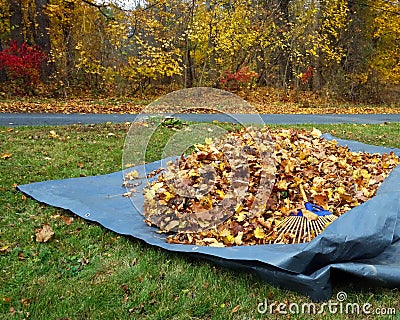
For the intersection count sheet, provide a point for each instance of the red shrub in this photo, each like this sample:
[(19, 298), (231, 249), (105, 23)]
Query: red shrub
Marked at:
[(306, 76), (22, 62), (242, 77)]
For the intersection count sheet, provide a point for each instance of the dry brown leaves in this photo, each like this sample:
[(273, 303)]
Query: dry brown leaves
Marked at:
[(202, 190), (230, 192), (5, 155), (70, 106), (295, 108), (44, 234)]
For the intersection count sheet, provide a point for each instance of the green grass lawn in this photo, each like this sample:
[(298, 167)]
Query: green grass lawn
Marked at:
[(88, 272)]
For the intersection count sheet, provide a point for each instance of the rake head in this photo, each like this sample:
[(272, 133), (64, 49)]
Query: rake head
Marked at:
[(303, 226)]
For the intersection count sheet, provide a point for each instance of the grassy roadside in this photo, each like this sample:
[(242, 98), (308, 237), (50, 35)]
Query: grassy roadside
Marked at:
[(88, 272)]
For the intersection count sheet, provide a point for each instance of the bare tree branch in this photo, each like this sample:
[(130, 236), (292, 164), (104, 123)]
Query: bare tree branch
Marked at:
[(100, 7)]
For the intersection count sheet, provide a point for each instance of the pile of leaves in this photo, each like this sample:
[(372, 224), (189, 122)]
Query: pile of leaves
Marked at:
[(236, 191), (204, 189)]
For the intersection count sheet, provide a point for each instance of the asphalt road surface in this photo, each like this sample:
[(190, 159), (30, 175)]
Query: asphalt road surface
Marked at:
[(42, 119)]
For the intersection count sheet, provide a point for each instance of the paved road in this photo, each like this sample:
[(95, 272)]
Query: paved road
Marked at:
[(34, 119)]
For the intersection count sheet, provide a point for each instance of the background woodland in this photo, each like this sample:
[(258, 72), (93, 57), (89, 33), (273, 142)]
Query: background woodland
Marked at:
[(347, 50)]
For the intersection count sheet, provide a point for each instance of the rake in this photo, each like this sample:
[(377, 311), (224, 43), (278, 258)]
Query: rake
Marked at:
[(304, 225)]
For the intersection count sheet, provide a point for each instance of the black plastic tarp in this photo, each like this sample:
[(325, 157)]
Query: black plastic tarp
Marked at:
[(364, 242)]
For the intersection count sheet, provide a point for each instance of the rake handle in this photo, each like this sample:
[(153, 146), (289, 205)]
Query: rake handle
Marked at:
[(303, 193)]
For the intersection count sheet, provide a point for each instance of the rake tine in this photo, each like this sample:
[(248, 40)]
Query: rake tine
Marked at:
[(301, 228)]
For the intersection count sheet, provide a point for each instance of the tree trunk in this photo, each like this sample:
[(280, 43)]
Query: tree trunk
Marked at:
[(189, 66), (316, 64), (16, 21), (69, 43), (284, 57), (210, 46), (42, 36)]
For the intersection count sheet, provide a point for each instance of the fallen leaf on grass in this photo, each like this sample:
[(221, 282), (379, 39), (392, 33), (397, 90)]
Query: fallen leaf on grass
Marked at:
[(139, 309), (67, 220), (235, 309), (53, 134), (5, 156), (44, 234), (126, 289), (83, 261), (25, 301), (4, 248), (21, 256)]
